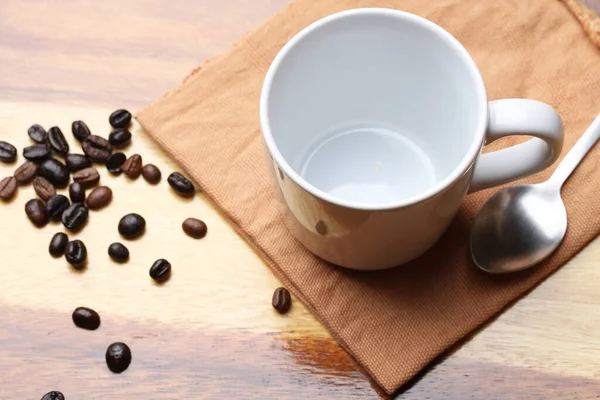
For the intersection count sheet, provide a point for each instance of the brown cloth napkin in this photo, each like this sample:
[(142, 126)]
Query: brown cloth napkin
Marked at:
[(397, 321)]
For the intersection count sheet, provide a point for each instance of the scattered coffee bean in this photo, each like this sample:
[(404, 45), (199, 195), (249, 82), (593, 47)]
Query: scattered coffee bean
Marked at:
[(77, 162), (118, 357), (194, 227), (119, 137), (54, 395), (57, 140), (26, 172), (38, 134), (99, 197), (97, 148), (8, 188), (132, 225), (43, 188), (55, 171), (282, 301), (151, 173), (133, 166), (34, 209), (77, 192), (37, 152), (115, 162), (88, 177), (58, 244), (118, 252), (160, 270), (120, 119), (76, 253), (74, 217), (80, 130), (180, 184), (8, 152), (86, 318), (56, 206)]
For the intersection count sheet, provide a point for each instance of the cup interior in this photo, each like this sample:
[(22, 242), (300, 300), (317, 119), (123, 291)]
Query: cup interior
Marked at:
[(373, 108)]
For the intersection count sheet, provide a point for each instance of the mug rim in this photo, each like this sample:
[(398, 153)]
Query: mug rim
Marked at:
[(470, 156)]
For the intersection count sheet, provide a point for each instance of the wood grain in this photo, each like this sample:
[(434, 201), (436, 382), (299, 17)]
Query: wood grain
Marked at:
[(209, 332)]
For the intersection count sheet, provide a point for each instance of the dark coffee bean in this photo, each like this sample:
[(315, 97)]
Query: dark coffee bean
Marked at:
[(119, 137), (118, 357), (99, 197), (58, 244), (55, 171), (56, 206), (43, 188), (88, 177), (132, 225), (34, 209), (151, 173), (86, 318), (8, 188), (133, 166), (76, 162), (76, 253), (74, 217), (120, 119), (118, 252), (115, 162), (180, 184), (37, 152), (77, 192), (57, 140), (160, 270), (8, 152), (54, 395), (194, 227), (38, 134), (80, 130), (97, 148), (26, 172), (282, 301)]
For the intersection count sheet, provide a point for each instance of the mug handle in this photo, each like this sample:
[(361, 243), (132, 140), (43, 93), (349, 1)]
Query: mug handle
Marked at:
[(509, 117)]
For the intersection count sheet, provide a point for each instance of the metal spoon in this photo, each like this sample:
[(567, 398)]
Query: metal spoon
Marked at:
[(521, 225)]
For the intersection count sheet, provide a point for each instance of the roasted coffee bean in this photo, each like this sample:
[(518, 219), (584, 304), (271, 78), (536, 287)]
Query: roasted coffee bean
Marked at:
[(8, 152), (181, 185), (88, 177), (151, 173), (120, 119), (76, 253), (55, 206), (8, 188), (55, 171), (132, 225), (133, 166), (34, 209), (120, 137), (118, 252), (97, 148), (77, 162), (74, 217), (118, 357), (160, 270), (86, 318), (282, 301), (57, 140), (58, 244), (26, 172), (38, 134), (43, 188), (194, 227), (77, 193), (115, 162), (37, 152), (80, 130), (54, 395), (99, 197)]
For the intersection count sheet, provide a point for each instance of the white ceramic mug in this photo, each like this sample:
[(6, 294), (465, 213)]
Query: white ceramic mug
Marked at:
[(375, 120)]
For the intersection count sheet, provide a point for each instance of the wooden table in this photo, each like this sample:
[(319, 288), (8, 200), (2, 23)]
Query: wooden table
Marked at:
[(210, 332)]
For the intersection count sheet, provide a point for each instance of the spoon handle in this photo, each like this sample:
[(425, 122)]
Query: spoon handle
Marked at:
[(576, 154)]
